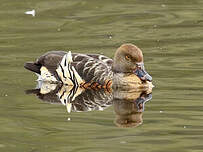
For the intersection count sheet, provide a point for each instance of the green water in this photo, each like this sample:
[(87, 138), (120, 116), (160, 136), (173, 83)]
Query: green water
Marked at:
[(168, 32)]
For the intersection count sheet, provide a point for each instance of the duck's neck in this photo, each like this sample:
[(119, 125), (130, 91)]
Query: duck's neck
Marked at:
[(119, 67)]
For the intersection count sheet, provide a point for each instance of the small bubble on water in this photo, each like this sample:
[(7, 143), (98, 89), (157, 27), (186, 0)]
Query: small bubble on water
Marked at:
[(163, 5), (58, 29), (123, 142), (110, 36), (154, 25), (6, 95), (161, 111), (68, 119), (184, 127)]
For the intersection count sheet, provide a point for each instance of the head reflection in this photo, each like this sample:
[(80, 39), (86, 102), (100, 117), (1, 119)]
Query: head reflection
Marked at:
[(129, 110), (128, 105)]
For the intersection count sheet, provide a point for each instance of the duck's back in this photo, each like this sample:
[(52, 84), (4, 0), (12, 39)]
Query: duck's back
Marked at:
[(92, 68)]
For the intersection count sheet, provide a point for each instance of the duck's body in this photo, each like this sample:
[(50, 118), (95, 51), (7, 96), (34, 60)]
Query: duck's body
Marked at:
[(95, 71)]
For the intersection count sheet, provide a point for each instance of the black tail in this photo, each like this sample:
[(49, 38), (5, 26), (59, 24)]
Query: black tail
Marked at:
[(32, 67), (33, 91)]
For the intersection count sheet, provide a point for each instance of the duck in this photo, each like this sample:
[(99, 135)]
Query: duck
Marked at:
[(94, 71)]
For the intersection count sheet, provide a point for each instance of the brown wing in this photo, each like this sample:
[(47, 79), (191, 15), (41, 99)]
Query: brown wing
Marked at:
[(91, 67), (108, 61), (50, 60)]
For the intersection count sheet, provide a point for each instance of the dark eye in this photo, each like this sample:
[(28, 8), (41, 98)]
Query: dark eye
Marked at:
[(127, 58)]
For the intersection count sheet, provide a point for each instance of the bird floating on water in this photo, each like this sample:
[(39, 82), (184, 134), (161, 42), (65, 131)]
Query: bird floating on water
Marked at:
[(93, 70)]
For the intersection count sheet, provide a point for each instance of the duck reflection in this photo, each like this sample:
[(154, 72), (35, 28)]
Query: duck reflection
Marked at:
[(76, 99), (128, 105)]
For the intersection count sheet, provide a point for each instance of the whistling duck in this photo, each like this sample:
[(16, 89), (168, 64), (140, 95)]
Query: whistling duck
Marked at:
[(94, 70)]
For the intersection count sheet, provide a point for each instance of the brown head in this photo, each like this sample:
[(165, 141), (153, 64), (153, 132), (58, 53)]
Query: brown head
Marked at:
[(129, 59)]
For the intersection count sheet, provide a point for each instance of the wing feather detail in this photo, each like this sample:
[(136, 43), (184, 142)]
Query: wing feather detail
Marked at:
[(67, 73), (77, 68), (92, 69)]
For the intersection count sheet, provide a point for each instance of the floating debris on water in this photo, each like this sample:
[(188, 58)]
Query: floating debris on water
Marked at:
[(69, 119), (32, 12), (58, 29), (161, 111), (184, 126)]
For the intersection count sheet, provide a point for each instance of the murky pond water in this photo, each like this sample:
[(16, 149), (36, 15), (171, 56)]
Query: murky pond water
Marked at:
[(168, 32)]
